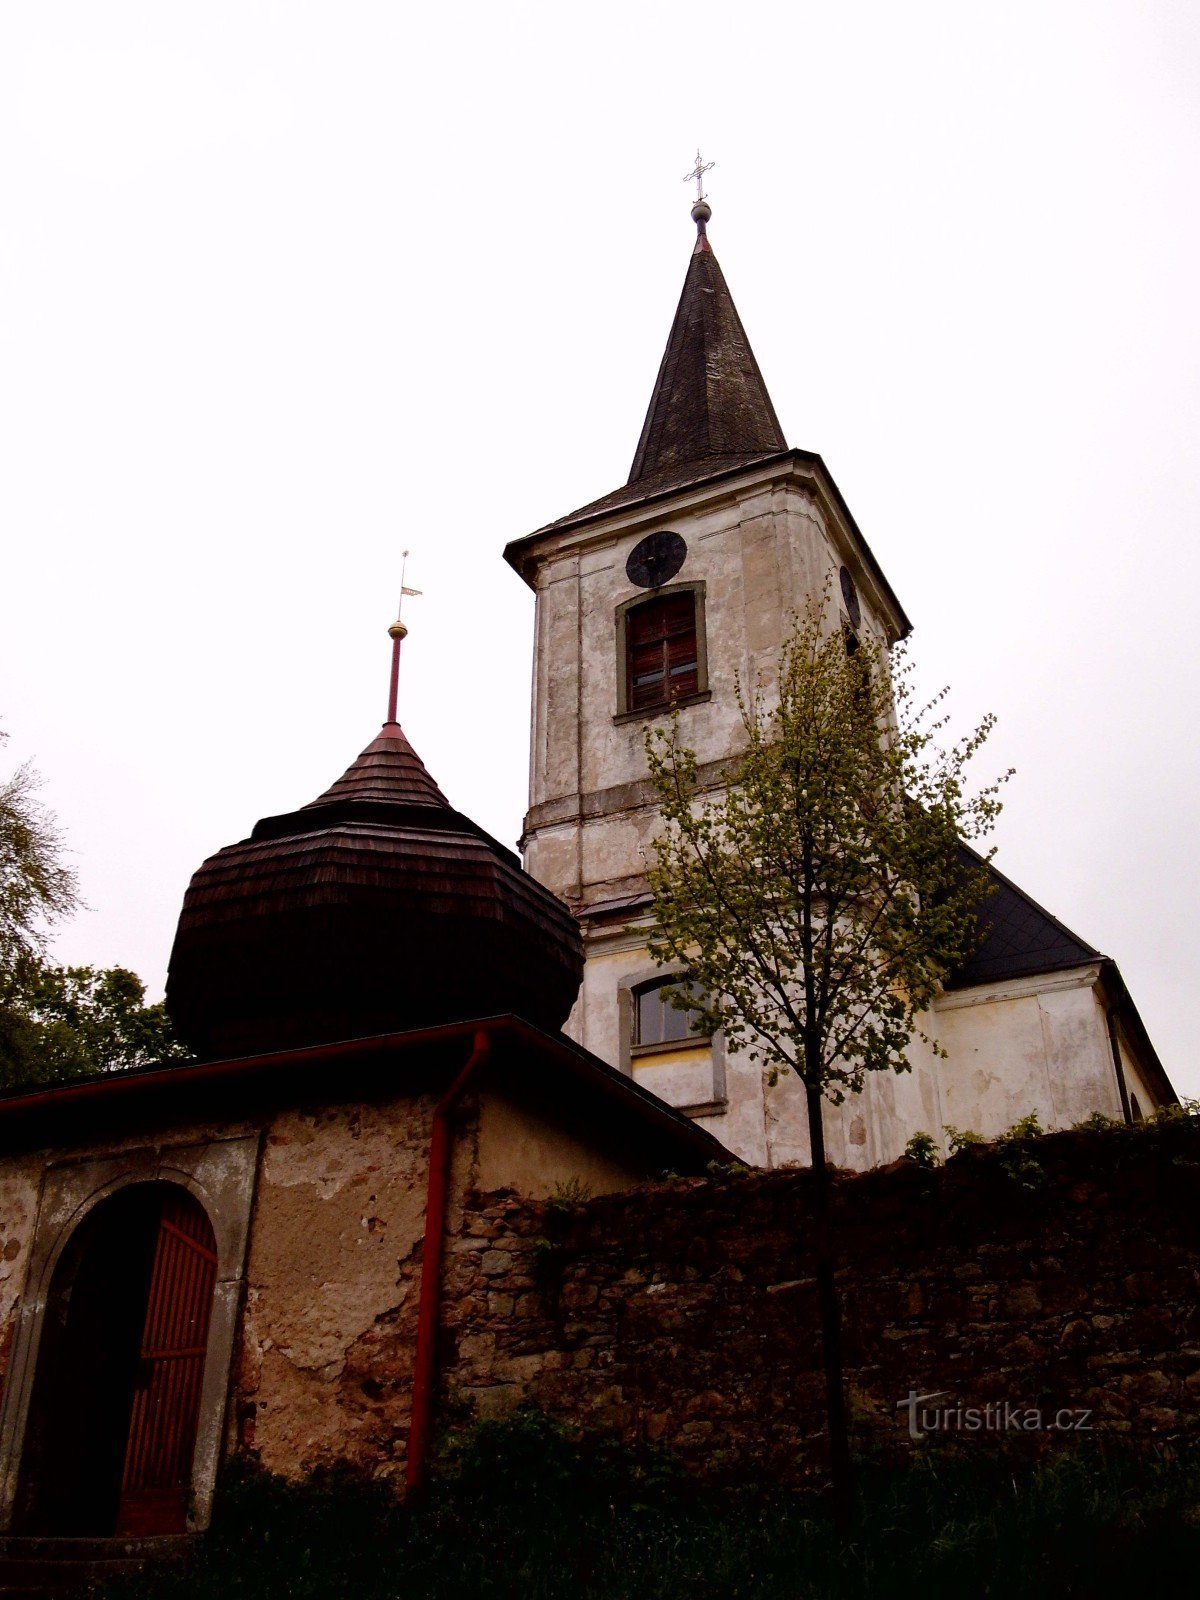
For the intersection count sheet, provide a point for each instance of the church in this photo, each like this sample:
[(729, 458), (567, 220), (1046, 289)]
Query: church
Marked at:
[(655, 597), (393, 1018)]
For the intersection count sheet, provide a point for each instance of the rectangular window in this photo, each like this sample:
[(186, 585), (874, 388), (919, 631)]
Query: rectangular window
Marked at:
[(656, 1021), (662, 660)]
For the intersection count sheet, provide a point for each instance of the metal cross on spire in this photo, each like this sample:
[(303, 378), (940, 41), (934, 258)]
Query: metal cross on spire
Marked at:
[(697, 174), (398, 632)]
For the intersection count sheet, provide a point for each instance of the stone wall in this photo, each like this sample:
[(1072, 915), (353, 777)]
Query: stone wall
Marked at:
[(1063, 1273)]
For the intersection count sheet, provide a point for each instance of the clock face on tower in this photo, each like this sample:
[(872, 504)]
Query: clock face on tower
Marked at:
[(655, 560)]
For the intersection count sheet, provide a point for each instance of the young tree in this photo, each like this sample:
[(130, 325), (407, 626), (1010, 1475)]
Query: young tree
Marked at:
[(819, 898)]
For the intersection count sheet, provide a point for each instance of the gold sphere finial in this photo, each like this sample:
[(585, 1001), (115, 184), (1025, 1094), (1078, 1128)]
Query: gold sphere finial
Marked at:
[(397, 630)]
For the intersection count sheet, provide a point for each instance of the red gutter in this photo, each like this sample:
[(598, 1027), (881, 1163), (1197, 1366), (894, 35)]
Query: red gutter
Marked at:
[(178, 1079), (441, 1144)]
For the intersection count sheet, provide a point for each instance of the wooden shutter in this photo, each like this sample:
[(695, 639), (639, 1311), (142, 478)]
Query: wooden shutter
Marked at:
[(157, 1476), (662, 662)]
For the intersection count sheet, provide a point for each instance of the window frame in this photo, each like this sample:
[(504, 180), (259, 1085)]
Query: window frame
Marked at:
[(630, 1055), (644, 1047), (626, 713)]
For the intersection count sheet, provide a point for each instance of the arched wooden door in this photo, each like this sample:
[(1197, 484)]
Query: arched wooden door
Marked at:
[(112, 1423), (157, 1475)]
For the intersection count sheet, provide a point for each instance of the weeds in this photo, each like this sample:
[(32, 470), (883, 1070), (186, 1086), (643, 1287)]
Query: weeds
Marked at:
[(529, 1509)]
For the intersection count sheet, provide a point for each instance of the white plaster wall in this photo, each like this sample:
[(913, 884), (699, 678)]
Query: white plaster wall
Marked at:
[(760, 552), (868, 1128), (555, 763), (763, 1124), (741, 1127), (682, 1077), (1013, 1051), (1137, 1084)]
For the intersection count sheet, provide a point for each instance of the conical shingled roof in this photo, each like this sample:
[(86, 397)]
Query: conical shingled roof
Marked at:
[(389, 769), (710, 406)]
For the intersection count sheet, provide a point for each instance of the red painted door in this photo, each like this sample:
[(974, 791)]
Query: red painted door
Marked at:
[(157, 1477)]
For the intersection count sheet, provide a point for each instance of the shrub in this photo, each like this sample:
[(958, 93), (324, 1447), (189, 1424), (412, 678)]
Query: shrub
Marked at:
[(923, 1150)]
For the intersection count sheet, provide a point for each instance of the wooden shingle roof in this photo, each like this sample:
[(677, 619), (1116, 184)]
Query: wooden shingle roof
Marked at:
[(389, 769), (710, 407), (374, 909)]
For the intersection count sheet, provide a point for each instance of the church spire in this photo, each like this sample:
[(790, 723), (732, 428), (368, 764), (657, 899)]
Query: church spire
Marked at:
[(710, 403)]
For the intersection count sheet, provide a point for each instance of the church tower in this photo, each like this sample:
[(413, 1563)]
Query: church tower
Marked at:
[(656, 597), (661, 596)]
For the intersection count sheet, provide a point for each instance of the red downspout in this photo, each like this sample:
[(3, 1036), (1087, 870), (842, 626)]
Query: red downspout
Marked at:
[(441, 1145)]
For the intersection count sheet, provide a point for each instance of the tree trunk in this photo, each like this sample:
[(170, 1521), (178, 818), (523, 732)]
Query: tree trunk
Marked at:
[(831, 1317)]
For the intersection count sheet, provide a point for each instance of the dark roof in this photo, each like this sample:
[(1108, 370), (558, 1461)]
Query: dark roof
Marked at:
[(710, 407), (710, 417), (710, 411), (375, 908), (1022, 940), (388, 769), (550, 1068), (667, 481), (1019, 937)]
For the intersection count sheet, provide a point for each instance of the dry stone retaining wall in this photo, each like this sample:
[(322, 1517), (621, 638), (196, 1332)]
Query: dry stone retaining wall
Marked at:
[(1061, 1275)]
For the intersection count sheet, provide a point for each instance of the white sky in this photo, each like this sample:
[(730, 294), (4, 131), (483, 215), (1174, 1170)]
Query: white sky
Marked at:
[(286, 287)]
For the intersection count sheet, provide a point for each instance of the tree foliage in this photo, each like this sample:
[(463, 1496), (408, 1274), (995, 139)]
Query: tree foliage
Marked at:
[(36, 887), (59, 1023), (820, 897)]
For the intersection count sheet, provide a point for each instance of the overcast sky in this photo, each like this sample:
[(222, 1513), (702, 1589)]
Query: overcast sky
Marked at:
[(287, 287)]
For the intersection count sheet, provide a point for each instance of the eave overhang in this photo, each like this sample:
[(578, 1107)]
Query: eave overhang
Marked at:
[(561, 1073), (635, 506), (1129, 1017)]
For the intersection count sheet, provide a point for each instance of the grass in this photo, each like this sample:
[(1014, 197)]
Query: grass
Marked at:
[(524, 1509)]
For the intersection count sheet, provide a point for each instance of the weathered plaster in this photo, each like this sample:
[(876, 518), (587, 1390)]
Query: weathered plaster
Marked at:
[(216, 1165), (20, 1179), (761, 549), (519, 1147), (338, 1219)]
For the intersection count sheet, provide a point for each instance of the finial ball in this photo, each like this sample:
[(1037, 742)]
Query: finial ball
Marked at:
[(701, 211), (397, 630)]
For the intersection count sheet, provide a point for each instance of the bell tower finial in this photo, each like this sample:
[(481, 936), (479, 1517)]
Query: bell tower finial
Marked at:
[(696, 176), (701, 210), (398, 632)]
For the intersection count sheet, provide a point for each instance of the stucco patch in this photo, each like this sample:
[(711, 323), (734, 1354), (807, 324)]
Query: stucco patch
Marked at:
[(333, 1259)]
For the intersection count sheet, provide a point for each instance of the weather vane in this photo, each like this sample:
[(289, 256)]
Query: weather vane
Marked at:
[(697, 173), (398, 632), (404, 591)]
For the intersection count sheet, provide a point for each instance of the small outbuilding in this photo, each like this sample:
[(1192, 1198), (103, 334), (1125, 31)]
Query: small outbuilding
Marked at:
[(249, 1246)]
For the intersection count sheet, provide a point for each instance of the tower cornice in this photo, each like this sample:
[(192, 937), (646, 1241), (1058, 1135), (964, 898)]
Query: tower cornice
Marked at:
[(629, 511)]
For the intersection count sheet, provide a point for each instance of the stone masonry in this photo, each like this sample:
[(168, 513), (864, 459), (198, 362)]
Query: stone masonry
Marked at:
[(1060, 1273)]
